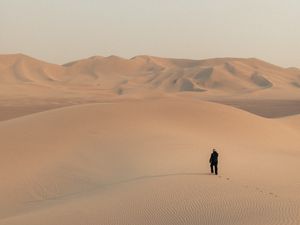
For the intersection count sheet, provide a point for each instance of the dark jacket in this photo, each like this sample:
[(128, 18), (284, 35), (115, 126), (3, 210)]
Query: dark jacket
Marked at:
[(214, 158)]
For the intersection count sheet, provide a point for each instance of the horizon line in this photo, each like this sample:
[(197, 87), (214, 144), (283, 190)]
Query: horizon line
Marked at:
[(145, 55)]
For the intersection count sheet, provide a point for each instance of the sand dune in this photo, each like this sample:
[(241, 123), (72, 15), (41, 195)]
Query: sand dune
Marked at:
[(24, 69), (113, 76), (146, 162), (292, 121)]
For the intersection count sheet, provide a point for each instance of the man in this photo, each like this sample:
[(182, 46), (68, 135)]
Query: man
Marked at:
[(214, 161)]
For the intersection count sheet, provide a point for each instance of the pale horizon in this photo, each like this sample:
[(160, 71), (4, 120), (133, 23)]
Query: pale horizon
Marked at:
[(64, 31)]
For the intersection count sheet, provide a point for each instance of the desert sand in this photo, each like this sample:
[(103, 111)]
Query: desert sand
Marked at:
[(107, 140)]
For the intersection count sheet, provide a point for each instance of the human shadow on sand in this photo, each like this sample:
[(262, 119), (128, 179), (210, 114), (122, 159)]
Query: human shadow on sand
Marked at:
[(145, 177), (96, 187)]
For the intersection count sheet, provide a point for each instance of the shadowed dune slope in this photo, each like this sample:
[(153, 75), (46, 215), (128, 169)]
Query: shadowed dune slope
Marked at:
[(146, 162)]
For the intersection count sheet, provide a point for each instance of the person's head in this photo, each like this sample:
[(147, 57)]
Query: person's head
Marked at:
[(214, 150)]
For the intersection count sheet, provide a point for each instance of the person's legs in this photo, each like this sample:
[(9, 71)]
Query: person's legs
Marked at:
[(216, 169), (212, 168)]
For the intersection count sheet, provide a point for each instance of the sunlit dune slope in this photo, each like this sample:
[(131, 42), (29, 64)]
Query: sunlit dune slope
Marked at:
[(146, 162)]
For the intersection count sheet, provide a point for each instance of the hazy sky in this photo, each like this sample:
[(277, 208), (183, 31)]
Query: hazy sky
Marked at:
[(64, 30)]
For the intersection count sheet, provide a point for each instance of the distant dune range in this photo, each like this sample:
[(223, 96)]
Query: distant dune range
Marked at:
[(250, 84)]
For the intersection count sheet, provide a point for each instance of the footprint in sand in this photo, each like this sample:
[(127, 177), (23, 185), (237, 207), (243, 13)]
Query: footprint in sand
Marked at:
[(269, 193)]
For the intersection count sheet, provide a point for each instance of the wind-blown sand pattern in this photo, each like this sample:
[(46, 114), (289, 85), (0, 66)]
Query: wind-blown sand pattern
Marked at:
[(128, 142)]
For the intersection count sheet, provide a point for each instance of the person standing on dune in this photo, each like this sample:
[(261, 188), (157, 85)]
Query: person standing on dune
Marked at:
[(214, 161)]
